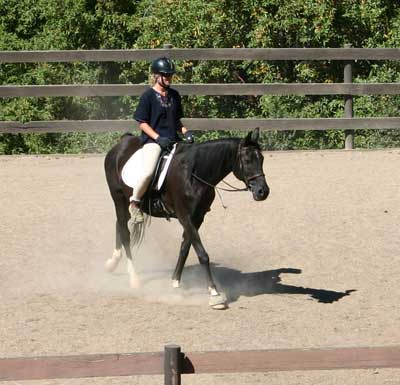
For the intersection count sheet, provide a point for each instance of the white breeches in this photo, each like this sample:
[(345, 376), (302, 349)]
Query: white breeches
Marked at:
[(151, 153)]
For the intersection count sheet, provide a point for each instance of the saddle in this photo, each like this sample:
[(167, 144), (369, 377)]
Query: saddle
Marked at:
[(161, 169), (152, 202)]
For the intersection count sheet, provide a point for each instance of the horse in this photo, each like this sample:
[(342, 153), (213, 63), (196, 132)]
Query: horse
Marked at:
[(187, 194)]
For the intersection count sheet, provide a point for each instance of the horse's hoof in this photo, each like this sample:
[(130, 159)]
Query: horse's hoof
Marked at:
[(218, 302), (112, 263), (134, 281), (176, 284)]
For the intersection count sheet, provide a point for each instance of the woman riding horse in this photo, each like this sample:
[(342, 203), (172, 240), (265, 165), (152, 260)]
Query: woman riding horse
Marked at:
[(188, 192)]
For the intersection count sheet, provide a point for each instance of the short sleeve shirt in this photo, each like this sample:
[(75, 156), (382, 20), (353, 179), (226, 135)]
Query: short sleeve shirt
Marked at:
[(162, 113)]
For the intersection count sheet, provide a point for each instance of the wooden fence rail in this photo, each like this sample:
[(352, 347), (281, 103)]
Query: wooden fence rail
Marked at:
[(172, 363), (111, 55), (254, 89), (347, 89), (57, 126)]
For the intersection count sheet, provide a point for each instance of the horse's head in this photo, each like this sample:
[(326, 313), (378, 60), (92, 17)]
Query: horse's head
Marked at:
[(249, 166)]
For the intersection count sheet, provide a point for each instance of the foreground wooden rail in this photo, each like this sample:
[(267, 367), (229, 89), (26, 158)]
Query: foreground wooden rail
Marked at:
[(172, 363)]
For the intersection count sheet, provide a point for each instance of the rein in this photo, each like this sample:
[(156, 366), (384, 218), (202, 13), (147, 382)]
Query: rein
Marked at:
[(233, 188)]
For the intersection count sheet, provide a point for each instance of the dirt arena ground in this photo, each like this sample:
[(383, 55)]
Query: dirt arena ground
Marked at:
[(329, 234)]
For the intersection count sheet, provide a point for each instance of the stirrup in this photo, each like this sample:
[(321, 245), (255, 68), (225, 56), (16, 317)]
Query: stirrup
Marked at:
[(136, 214)]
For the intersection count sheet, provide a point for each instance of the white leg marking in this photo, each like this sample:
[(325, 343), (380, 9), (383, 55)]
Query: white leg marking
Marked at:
[(112, 262), (133, 277), (176, 283), (217, 300), (213, 291)]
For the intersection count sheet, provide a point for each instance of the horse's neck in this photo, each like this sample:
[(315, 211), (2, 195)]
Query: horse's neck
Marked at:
[(220, 160)]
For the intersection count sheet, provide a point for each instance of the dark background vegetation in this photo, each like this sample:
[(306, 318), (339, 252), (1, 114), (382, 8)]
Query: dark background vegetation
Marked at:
[(129, 24)]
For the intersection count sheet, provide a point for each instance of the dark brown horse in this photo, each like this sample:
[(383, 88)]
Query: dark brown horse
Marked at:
[(188, 192)]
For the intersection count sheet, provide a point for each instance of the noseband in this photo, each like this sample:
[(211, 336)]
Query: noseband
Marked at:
[(246, 179)]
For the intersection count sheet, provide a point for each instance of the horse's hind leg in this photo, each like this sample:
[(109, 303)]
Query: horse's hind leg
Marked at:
[(112, 263), (183, 254), (121, 208)]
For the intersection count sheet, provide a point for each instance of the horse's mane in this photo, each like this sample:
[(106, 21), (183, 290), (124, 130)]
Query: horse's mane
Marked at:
[(247, 141), (218, 144), (218, 141), (210, 159)]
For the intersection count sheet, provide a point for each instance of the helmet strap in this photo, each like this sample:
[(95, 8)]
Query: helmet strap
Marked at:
[(160, 81)]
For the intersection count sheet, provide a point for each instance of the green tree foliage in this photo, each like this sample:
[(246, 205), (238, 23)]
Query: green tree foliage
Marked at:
[(55, 25), (125, 24)]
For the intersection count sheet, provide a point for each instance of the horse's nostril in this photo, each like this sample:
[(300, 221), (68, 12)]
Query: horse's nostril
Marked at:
[(265, 192)]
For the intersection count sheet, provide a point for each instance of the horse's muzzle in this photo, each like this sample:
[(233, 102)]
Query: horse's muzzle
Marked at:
[(260, 189)]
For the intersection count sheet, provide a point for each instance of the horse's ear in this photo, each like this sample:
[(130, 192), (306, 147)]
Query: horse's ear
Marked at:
[(253, 136)]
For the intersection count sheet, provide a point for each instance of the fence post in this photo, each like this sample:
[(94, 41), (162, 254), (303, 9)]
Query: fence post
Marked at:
[(172, 365), (348, 103), (166, 47)]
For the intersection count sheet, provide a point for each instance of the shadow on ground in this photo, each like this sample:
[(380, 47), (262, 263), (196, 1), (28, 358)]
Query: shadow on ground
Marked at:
[(235, 284)]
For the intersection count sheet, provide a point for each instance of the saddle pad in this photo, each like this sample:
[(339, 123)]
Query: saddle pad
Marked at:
[(131, 170), (165, 168)]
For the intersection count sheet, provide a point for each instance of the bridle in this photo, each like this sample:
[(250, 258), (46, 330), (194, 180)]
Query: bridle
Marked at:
[(246, 179)]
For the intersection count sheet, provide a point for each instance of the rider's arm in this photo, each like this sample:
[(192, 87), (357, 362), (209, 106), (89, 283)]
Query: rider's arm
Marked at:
[(146, 128)]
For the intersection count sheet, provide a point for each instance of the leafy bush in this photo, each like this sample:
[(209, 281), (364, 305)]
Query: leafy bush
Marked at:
[(119, 24)]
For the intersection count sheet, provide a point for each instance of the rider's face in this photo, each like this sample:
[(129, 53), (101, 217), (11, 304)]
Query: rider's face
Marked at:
[(165, 79)]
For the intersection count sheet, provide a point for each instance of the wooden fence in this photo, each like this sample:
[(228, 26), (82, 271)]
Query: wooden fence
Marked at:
[(173, 363), (347, 89)]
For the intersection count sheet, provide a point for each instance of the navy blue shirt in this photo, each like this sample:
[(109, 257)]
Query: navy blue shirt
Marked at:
[(162, 113)]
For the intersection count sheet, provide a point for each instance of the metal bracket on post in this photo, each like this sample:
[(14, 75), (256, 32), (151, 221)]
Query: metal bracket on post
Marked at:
[(348, 103), (172, 365)]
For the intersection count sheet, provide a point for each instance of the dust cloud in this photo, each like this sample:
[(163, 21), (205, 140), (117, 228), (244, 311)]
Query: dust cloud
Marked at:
[(80, 268), (154, 262)]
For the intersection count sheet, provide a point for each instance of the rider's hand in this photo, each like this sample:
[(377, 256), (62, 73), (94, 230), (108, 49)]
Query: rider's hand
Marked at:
[(164, 142), (189, 137)]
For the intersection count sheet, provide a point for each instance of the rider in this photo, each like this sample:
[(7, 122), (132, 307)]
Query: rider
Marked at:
[(159, 116)]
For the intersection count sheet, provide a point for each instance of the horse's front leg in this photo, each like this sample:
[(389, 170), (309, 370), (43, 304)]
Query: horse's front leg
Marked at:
[(217, 300), (183, 254)]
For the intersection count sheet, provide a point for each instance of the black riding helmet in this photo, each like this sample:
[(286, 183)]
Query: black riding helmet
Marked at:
[(163, 65)]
